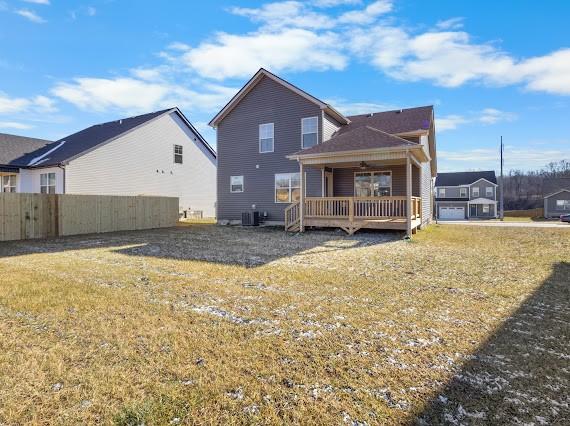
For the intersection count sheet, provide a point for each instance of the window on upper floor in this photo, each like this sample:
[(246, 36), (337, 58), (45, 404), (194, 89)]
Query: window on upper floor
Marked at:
[(9, 183), (47, 183), (476, 191), (463, 192), (489, 191), (266, 137), (441, 192), (562, 204), (309, 132), (236, 183), (178, 154)]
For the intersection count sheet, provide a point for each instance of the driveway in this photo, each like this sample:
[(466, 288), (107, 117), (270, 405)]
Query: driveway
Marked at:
[(505, 224)]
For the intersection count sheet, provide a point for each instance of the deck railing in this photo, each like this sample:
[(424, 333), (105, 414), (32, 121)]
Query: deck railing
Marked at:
[(360, 207)]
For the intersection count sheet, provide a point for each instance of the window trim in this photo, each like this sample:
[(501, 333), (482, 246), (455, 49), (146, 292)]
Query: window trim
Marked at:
[(373, 172), (4, 186), (475, 188), (272, 137), (461, 189), (290, 187), (487, 207), (181, 154), (487, 194), (439, 192), (303, 133), (242, 184), (48, 184), (565, 205)]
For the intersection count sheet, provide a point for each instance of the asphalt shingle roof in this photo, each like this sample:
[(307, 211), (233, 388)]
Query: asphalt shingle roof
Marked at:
[(464, 178), (550, 186), (13, 147), (360, 138), (396, 121)]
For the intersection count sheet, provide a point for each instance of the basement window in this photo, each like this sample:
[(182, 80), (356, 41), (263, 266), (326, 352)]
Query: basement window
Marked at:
[(178, 154)]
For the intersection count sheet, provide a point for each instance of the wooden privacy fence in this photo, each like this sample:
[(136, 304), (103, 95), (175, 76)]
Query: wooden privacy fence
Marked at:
[(26, 216)]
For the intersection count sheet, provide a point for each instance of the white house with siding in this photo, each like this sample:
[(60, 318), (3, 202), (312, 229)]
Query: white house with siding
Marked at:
[(159, 154)]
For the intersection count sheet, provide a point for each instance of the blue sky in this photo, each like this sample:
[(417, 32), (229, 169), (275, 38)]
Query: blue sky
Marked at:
[(490, 68)]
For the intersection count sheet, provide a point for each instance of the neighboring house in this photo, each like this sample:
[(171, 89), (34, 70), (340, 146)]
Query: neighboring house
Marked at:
[(365, 171), (556, 196), (160, 153), (466, 195)]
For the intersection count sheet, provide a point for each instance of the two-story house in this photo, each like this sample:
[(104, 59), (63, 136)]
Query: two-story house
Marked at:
[(298, 161), (465, 195), (556, 196), (159, 154)]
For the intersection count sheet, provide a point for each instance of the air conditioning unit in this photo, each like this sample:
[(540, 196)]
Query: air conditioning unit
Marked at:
[(250, 219)]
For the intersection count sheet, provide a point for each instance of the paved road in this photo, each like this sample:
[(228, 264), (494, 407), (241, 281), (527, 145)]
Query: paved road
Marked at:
[(505, 224)]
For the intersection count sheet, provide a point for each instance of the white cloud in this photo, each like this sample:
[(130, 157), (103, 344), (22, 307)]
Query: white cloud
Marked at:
[(368, 14), (91, 11), (549, 73), (334, 3), (450, 24), (230, 56), (134, 95), (291, 14), (14, 125), (40, 104), (30, 15), (487, 116), (44, 2), (528, 157)]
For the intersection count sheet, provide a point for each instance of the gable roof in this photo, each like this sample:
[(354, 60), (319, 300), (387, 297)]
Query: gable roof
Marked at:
[(554, 186), (360, 138), (464, 178), (79, 143), (13, 147), (259, 75), (396, 121)]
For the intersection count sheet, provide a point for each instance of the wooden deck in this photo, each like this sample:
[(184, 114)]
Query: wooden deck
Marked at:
[(354, 213)]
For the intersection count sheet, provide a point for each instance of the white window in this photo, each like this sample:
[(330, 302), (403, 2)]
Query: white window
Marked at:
[(178, 154), (463, 192), (562, 204), (476, 191), (236, 183), (489, 191), (485, 208), (310, 133), (9, 183), (373, 184), (47, 183), (266, 137), (442, 192), (287, 187)]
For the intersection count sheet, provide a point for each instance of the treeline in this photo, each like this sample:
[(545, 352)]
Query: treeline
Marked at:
[(524, 189)]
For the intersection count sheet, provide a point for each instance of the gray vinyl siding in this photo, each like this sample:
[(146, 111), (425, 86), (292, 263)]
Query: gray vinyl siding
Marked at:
[(330, 125), (238, 149), (451, 192), (343, 180), (550, 209), (482, 185)]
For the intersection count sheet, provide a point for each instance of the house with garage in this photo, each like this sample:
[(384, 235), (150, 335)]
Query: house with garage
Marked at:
[(556, 196), (466, 195), (155, 154), (289, 158)]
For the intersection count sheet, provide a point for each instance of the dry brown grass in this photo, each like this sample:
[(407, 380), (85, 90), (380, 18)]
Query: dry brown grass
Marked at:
[(215, 325)]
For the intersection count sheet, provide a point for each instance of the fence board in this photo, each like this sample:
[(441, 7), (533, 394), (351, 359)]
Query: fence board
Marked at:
[(27, 216)]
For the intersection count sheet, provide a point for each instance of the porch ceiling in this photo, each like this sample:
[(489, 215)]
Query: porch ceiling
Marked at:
[(352, 158)]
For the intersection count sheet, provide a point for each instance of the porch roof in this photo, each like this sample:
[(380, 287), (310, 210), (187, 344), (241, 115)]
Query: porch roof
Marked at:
[(482, 201)]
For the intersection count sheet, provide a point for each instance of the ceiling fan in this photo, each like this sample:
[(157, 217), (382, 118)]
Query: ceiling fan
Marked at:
[(363, 165)]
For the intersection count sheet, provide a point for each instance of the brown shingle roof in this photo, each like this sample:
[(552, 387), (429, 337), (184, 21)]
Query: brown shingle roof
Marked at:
[(360, 138), (396, 121), (12, 147)]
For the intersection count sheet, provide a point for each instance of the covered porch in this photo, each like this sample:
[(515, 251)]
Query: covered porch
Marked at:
[(370, 189)]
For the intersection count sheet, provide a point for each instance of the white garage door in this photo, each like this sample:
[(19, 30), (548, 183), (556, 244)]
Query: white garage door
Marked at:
[(452, 213)]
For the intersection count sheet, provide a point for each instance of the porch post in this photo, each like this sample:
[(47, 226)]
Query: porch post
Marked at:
[(408, 196), (322, 182), (302, 198)]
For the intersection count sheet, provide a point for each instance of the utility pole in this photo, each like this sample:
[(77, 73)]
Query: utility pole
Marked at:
[(502, 214)]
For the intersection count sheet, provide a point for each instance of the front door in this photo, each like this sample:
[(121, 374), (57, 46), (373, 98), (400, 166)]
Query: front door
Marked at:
[(328, 184), (473, 210)]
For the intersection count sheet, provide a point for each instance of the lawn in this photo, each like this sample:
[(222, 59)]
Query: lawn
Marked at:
[(216, 325)]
